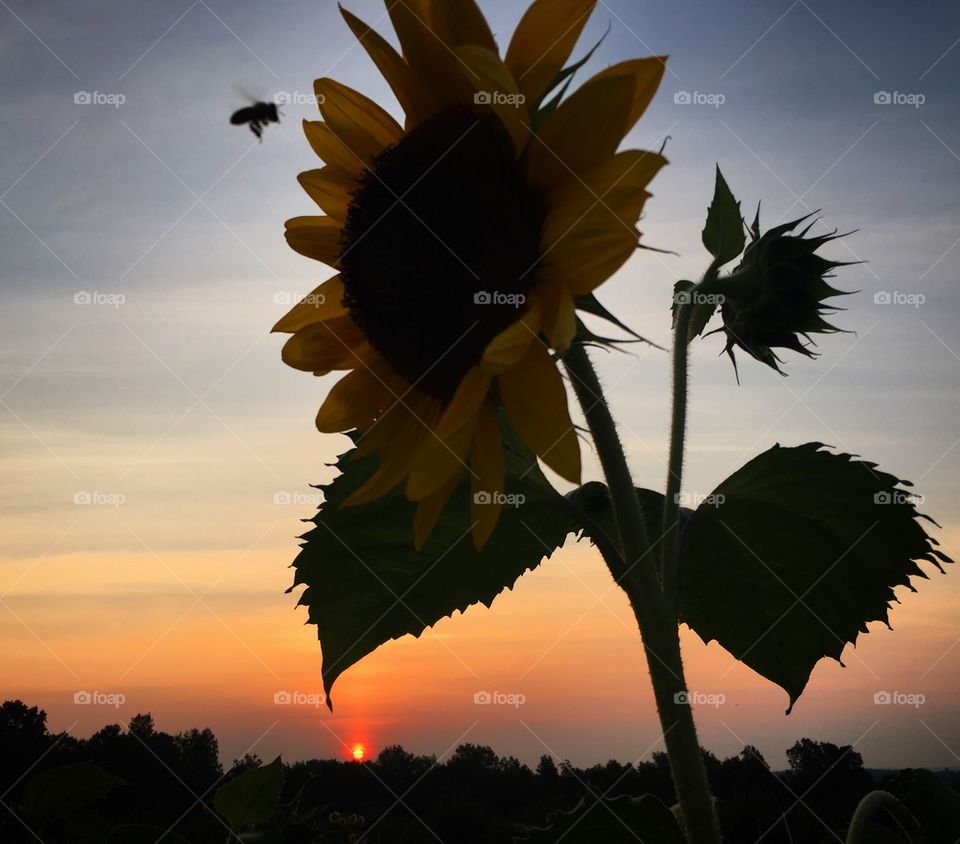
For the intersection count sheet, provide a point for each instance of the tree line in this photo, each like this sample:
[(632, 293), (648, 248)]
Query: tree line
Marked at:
[(167, 782)]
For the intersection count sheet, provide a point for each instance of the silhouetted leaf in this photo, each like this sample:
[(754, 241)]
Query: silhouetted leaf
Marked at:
[(603, 820), (365, 582), (252, 797), (60, 792), (794, 553), (723, 233)]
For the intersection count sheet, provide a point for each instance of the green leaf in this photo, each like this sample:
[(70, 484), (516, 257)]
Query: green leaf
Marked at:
[(601, 820), (723, 233), (367, 585), (252, 797), (702, 311), (61, 792), (794, 554)]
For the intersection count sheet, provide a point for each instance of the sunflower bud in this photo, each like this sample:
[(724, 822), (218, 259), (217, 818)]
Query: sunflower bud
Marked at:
[(776, 295)]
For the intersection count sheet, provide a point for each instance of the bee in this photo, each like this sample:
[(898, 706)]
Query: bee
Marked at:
[(257, 115)]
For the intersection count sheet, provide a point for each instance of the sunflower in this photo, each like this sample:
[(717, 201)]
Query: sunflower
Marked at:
[(461, 241)]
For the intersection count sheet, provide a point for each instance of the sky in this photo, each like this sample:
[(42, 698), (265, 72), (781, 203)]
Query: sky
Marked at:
[(156, 454)]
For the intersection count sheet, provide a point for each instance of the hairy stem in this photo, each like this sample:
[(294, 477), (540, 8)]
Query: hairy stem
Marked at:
[(669, 560), (655, 616), (670, 547)]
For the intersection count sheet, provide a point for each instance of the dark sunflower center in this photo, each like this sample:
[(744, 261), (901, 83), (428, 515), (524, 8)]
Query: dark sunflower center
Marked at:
[(440, 247)]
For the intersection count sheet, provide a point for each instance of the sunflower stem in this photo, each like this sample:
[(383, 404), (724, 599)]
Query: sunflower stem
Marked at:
[(656, 618), (670, 529)]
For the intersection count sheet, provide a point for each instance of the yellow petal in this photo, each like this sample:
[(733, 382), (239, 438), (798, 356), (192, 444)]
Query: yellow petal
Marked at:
[(330, 188), (429, 510), (487, 481), (332, 150), (394, 462), (510, 346), (392, 67), (583, 132), (494, 86), (590, 227), (536, 402), (589, 255), (357, 120), (326, 302), (326, 346), (558, 315), (353, 402), (315, 237), (462, 22), (617, 187), (435, 67), (646, 74), (444, 453), (543, 41)]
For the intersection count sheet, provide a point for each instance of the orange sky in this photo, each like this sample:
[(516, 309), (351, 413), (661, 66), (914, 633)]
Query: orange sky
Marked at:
[(123, 622)]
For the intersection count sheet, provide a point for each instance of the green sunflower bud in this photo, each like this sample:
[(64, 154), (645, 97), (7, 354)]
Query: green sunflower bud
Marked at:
[(776, 295)]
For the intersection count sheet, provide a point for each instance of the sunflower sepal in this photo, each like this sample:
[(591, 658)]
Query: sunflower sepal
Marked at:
[(589, 304), (543, 108)]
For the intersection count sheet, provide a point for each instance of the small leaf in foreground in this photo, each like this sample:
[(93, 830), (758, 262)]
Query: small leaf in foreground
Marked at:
[(252, 797), (597, 819), (63, 791)]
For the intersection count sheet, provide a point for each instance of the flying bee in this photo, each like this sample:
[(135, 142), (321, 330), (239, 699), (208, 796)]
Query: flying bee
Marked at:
[(257, 115)]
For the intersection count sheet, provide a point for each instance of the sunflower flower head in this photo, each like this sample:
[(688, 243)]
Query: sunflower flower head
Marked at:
[(461, 240), (776, 295)]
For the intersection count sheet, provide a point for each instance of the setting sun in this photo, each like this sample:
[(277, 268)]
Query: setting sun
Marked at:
[(358, 752)]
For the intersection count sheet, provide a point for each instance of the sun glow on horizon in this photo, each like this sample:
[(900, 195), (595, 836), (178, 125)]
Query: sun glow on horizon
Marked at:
[(358, 752)]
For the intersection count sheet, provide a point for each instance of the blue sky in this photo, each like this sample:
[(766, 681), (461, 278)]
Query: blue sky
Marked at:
[(171, 393)]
